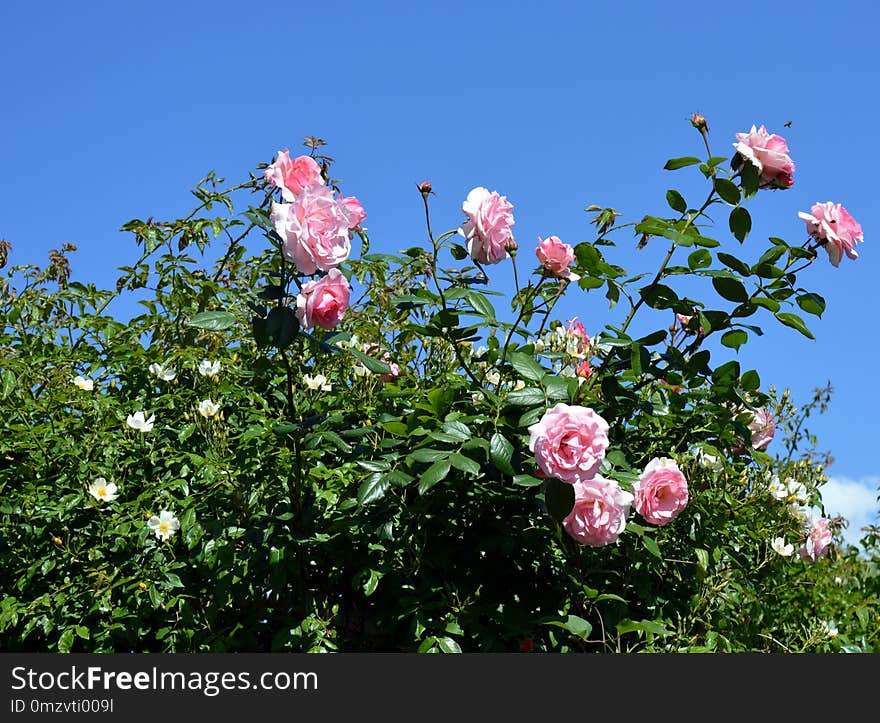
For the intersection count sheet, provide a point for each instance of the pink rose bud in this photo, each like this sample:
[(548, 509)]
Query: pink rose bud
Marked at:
[(355, 211), (556, 256), (661, 491), (818, 540), (599, 513), (699, 122), (832, 226), (324, 301), (763, 427), (292, 176), (569, 442), (577, 331), (488, 228), (768, 153), (314, 229), (584, 369)]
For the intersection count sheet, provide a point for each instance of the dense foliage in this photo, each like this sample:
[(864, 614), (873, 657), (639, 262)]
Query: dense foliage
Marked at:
[(312, 447)]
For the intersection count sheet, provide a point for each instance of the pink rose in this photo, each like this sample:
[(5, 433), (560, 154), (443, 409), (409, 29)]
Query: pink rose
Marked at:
[(768, 153), (322, 302), (292, 176), (356, 212), (488, 226), (763, 427), (314, 229), (579, 335), (584, 370), (818, 540), (661, 491), (556, 256), (569, 442), (832, 226), (599, 513)]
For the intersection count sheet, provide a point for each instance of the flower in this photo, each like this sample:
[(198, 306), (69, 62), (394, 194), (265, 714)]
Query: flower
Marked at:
[(779, 546), (707, 460), (699, 122), (315, 229), (556, 256), (317, 382), (832, 226), (584, 370), (356, 212), (599, 512), (292, 176), (83, 383), (577, 342), (102, 491), (829, 627), (208, 368), (166, 374), (661, 491), (323, 302), (569, 442), (762, 427), (768, 153), (488, 226), (137, 421), (818, 540), (165, 525), (207, 408)]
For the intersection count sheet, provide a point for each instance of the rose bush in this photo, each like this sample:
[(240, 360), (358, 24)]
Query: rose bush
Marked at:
[(299, 444)]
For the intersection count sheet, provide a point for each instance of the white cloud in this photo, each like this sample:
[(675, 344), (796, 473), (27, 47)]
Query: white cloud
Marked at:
[(854, 499)]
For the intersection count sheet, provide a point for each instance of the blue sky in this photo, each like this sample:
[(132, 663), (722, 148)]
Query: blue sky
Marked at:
[(113, 111)]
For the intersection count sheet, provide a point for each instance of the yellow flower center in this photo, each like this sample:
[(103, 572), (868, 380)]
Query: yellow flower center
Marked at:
[(164, 527), (102, 491)]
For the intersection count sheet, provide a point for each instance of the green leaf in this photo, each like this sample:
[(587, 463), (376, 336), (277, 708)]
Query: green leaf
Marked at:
[(372, 582), (481, 304), (528, 396), (676, 201), (448, 645), (727, 190), (527, 367), (651, 546), (501, 453), (750, 381), (646, 626), (675, 163), (373, 488), (735, 338), (434, 474), (426, 454), (795, 322), (699, 259), (373, 365), (527, 480), (65, 642), (212, 320), (740, 223), (734, 263), (559, 498), (465, 464), (459, 431), (730, 289), (811, 303), (575, 625), (8, 383), (658, 296)]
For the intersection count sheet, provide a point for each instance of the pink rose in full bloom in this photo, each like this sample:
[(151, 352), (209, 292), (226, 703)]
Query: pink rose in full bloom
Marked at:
[(818, 540), (322, 302), (832, 226), (556, 256), (314, 229), (488, 226), (292, 176), (661, 491), (768, 153), (569, 442), (356, 212), (599, 513), (763, 427)]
